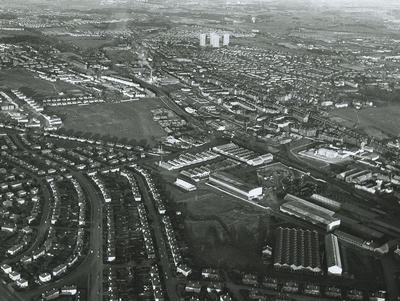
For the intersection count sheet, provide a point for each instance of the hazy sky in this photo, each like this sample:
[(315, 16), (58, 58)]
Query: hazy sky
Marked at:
[(334, 3), (338, 3), (349, 2)]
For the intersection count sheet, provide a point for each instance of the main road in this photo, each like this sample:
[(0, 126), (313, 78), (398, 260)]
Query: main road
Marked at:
[(164, 258), (92, 265), (95, 277)]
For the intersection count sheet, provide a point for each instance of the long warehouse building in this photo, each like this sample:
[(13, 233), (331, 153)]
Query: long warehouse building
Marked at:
[(310, 212), (235, 186), (332, 251), (326, 202)]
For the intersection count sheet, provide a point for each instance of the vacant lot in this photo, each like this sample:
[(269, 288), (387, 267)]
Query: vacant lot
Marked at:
[(377, 122), (130, 120)]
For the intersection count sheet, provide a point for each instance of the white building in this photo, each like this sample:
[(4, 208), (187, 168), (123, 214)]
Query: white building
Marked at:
[(22, 283), (209, 273), (14, 276), (58, 270), (226, 39), (6, 268), (184, 269), (203, 39), (235, 186), (45, 277), (184, 185), (242, 154), (69, 290), (15, 249), (310, 212), (332, 251), (214, 40)]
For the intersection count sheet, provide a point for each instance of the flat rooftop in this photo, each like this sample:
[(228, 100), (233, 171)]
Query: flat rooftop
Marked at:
[(232, 180)]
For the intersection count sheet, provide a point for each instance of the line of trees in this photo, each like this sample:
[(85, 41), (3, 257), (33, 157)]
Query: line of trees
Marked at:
[(106, 138)]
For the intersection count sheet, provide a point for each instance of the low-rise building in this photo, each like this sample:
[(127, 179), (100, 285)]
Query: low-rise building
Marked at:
[(14, 276), (310, 212), (45, 277), (193, 287), (332, 251), (6, 268), (297, 250), (235, 186), (22, 283)]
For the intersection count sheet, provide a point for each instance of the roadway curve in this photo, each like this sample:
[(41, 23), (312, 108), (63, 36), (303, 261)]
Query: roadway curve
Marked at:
[(92, 264)]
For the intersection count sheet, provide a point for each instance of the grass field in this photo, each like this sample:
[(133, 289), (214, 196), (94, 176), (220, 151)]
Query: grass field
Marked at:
[(39, 88), (86, 42), (221, 230), (377, 122), (16, 33), (130, 120)]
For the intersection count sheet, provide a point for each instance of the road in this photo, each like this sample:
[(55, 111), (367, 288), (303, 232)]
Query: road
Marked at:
[(155, 223), (92, 263), (41, 229), (6, 291), (95, 279)]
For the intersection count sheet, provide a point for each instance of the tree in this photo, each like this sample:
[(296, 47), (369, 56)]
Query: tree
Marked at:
[(123, 140), (96, 136), (106, 137), (143, 142), (70, 132)]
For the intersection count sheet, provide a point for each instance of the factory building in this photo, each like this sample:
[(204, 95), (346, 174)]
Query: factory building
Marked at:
[(229, 184), (244, 155), (297, 250), (357, 177), (326, 202), (332, 252), (310, 212), (354, 240), (184, 184)]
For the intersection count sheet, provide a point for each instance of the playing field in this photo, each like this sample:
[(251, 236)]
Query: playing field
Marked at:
[(376, 122), (130, 120)]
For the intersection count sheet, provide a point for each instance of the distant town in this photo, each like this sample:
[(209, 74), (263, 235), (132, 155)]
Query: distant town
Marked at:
[(199, 150)]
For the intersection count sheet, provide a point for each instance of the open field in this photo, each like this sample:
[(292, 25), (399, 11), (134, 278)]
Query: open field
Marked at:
[(222, 230), (16, 33), (32, 86), (86, 42), (377, 122), (130, 120)]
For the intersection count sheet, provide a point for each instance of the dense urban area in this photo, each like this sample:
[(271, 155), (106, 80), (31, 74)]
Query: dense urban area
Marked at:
[(199, 150)]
